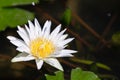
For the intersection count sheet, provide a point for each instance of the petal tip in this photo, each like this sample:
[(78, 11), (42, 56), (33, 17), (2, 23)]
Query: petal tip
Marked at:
[(35, 20), (39, 64), (61, 69), (10, 37), (13, 60)]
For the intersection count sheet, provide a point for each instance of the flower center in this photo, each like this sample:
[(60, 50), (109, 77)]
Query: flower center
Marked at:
[(41, 48)]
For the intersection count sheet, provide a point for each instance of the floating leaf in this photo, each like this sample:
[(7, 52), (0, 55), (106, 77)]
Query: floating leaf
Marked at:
[(4, 3), (58, 76), (11, 17), (79, 74), (76, 74), (66, 18)]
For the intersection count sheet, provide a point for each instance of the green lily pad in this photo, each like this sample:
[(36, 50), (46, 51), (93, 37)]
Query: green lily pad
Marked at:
[(11, 17), (79, 74), (58, 76), (76, 74), (5, 3)]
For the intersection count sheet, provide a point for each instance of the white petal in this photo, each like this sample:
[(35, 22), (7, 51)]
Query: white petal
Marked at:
[(46, 29), (32, 30), (23, 49), (64, 53), (59, 35), (63, 37), (55, 32), (37, 28), (39, 63), (28, 30), (24, 34), (64, 42), (22, 57), (54, 62), (11, 38), (37, 23), (61, 55), (16, 41), (31, 26), (21, 46)]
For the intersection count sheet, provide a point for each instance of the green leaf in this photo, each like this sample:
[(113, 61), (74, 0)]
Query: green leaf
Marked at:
[(116, 38), (58, 76), (14, 17), (4, 3), (79, 74), (66, 18), (11, 17), (76, 74)]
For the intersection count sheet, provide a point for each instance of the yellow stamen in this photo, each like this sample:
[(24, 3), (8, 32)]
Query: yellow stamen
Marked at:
[(41, 48)]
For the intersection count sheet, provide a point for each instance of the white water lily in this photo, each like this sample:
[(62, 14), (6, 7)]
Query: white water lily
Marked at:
[(41, 45)]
